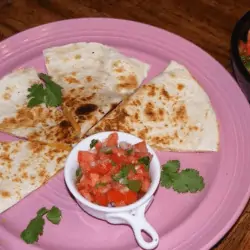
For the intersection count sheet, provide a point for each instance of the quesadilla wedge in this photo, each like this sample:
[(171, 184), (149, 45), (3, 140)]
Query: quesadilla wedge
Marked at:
[(24, 167), (95, 79), (171, 112), (39, 123)]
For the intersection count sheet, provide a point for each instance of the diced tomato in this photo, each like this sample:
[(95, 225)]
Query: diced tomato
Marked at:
[(106, 179), (101, 199), (86, 156), (130, 197), (141, 170), (102, 168), (98, 145), (112, 140), (86, 195), (115, 196), (145, 185), (94, 178), (102, 156), (85, 166), (122, 159), (140, 147), (139, 155)]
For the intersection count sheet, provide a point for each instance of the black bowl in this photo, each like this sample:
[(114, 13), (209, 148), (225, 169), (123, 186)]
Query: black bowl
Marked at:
[(241, 74)]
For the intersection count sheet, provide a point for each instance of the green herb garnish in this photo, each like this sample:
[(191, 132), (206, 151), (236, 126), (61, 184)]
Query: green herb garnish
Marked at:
[(187, 180), (54, 215), (78, 174), (123, 172), (134, 185), (145, 161), (129, 151), (50, 93), (93, 143), (35, 227)]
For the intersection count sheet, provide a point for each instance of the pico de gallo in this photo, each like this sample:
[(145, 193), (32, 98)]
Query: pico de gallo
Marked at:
[(244, 51), (113, 174)]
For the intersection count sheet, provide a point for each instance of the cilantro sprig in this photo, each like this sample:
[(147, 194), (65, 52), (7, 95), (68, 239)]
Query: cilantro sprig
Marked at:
[(122, 177), (184, 181), (50, 93), (93, 143), (145, 161), (35, 227)]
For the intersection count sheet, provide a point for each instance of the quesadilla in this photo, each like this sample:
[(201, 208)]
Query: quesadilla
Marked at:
[(171, 112), (95, 79), (39, 123), (24, 167)]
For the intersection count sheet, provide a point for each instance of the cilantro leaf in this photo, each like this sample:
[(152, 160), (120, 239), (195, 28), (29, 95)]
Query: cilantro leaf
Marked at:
[(42, 211), (169, 173), (50, 93), (33, 230), (93, 143), (124, 172), (53, 91), (36, 95), (134, 185), (54, 215), (129, 151), (188, 180), (78, 173), (146, 161)]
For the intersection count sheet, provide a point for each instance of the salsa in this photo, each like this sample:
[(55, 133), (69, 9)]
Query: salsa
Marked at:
[(244, 51), (113, 174)]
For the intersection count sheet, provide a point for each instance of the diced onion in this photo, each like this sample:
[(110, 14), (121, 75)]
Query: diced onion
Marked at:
[(124, 145)]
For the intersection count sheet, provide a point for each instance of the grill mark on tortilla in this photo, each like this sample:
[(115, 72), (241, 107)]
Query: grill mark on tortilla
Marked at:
[(165, 93), (151, 89), (180, 86), (180, 114), (89, 78), (129, 82), (65, 124), (86, 109), (5, 194), (71, 79)]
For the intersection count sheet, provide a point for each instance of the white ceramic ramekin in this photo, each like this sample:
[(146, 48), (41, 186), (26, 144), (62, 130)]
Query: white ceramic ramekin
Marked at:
[(134, 214)]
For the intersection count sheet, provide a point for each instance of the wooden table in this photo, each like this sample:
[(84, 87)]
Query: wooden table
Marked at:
[(207, 23)]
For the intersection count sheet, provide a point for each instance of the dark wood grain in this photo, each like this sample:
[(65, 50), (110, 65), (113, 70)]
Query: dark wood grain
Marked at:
[(207, 23)]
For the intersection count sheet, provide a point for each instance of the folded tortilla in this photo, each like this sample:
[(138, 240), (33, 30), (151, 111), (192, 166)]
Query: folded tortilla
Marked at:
[(24, 167), (40, 123), (95, 79), (171, 112)]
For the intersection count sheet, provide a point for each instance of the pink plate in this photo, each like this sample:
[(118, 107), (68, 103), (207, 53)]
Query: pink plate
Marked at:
[(184, 222)]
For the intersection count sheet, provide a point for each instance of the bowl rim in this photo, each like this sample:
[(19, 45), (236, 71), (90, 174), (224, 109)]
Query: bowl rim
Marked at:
[(79, 198), (234, 46)]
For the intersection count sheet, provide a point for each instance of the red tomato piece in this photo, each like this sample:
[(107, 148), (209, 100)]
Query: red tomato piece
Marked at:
[(140, 147), (86, 156), (102, 168), (130, 197), (112, 140), (85, 166), (98, 145), (122, 159), (145, 185), (101, 199), (115, 196)]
